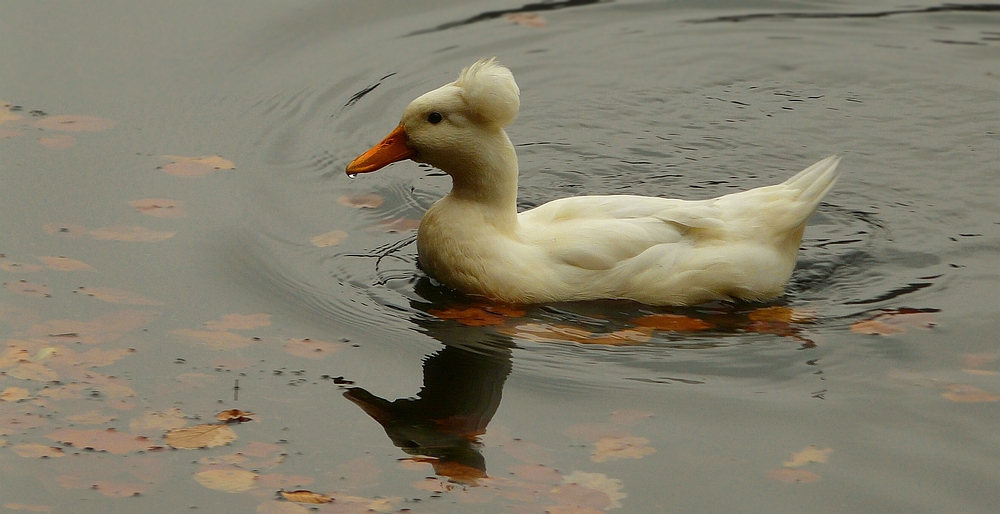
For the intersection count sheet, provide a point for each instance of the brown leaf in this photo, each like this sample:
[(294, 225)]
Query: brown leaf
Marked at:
[(65, 264), (793, 475), (37, 451), (234, 416), (75, 123), (214, 339), (330, 238), (964, 393), (200, 436), (130, 234), (674, 322), (195, 166), (478, 316), (14, 394), (240, 322), (369, 201), (65, 230), (398, 225), (109, 440), (808, 454), (227, 480), (29, 289), (160, 207), (312, 349), (60, 142), (156, 421), (112, 295), (303, 496), (613, 448)]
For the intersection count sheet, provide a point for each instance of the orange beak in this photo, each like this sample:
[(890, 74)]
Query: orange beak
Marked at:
[(391, 149)]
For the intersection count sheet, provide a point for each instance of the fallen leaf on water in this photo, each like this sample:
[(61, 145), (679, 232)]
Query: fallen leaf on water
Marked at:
[(160, 207), (398, 225), (895, 321), (215, 339), (195, 166), (6, 114), (964, 393), (480, 316), (611, 448), (75, 123), (94, 417), (66, 392), (674, 322), (118, 489), (109, 440), (65, 230), (30, 507), (200, 436), (29, 289), (526, 19), (112, 295), (20, 267), (227, 480), (537, 474), (240, 322), (578, 499), (156, 421), (14, 394), (33, 371), (37, 451), (546, 333), (60, 142), (808, 454), (304, 496), (330, 238), (65, 264), (611, 487), (782, 314), (369, 201), (793, 475), (94, 357), (130, 234), (234, 416), (312, 349), (108, 327)]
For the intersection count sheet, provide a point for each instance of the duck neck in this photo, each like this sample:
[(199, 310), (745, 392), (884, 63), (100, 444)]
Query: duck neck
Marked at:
[(489, 179)]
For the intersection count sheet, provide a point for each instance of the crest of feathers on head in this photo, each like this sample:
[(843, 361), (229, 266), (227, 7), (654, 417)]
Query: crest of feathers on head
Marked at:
[(489, 90)]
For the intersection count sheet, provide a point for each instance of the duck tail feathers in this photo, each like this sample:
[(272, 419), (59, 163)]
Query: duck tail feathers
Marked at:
[(815, 181)]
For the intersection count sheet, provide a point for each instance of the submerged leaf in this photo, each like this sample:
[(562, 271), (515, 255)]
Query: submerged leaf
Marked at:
[(312, 349), (112, 295), (28, 288), (227, 480), (240, 322), (330, 238), (75, 123), (217, 340), (160, 207), (200, 436), (109, 440), (673, 322), (60, 142), (195, 166), (964, 393), (611, 448), (895, 322), (152, 421), (37, 451), (130, 234), (65, 264), (369, 201), (808, 454)]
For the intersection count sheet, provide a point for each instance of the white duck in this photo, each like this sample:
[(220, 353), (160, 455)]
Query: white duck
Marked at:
[(656, 251)]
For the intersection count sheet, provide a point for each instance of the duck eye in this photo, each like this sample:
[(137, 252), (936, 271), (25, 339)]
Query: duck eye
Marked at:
[(434, 118)]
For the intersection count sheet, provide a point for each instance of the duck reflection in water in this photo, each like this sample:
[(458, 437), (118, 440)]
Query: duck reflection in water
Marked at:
[(463, 384)]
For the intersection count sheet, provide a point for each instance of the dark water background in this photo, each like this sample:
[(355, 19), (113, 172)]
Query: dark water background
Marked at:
[(676, 99)]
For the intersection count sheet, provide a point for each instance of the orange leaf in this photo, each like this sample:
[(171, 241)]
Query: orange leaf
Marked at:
[(330, 238), (130, 234), (964, 393), (109, 440), (526, 19), (14, 394), (160, 207), (234, 416), (65, 264), (477, 316), (75, 123), (195, 166), (782, 314), (200, 436), (29, 289), (895, 322), (673, 322), (303, 496), (111, 295)]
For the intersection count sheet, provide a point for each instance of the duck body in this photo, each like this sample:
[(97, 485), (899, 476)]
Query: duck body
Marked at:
[(657, 251)]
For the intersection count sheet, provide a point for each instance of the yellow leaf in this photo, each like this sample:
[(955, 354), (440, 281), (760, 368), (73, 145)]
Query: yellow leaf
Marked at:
[(809, 454), (227, 480), (200, 436), (14, 394)]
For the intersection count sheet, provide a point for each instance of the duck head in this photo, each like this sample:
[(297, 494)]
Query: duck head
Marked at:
[(456, 128)]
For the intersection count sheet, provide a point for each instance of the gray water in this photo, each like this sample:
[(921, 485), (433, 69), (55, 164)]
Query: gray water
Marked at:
[(675, 99)]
